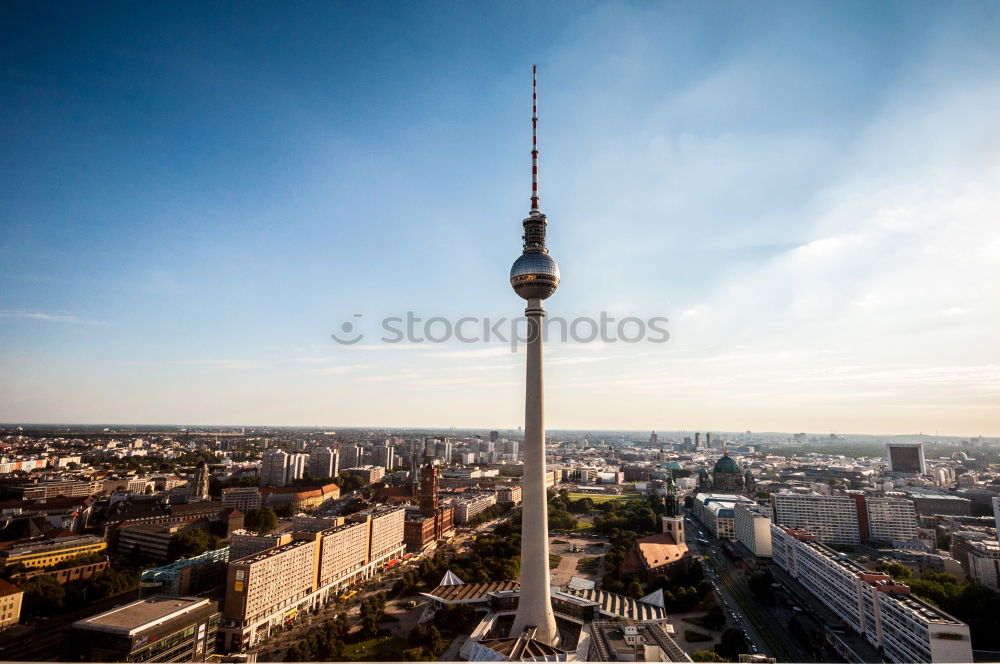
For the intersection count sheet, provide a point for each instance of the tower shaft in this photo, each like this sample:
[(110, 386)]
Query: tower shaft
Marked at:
[(534, 608)]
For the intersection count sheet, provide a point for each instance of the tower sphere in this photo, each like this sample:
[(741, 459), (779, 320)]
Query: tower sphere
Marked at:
[(534, 275)]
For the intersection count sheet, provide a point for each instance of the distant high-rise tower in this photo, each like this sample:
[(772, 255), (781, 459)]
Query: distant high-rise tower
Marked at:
[(385, 456), (697, 440), (653, 439), (323, 463), (201, 477), (274, 468), (534, 276), (494, 436)]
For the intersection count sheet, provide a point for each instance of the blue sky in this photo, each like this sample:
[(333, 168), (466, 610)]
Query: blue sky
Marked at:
[(194, 197)]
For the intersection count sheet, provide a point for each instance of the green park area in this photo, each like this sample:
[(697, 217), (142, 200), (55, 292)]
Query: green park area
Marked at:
[(602, 497)]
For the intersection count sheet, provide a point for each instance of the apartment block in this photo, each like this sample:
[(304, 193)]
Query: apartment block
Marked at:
[(907, 629), (344, 554), (242, 498), (752, 524), (832, 519), (266, 589), (891, 519), (324, 463), (386, 540), (269, 588), (243, 543), (509, 494), (467, 508), (984, 563)]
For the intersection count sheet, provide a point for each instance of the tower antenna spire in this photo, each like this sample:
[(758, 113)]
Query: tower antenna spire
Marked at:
[(534, 138)]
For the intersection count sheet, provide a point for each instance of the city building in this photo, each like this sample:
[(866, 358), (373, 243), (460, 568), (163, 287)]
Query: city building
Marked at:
[(933, 502), (242, 498), (832, 519), (385, 456), (187, 576), (324, 463), (663, 554), (432, 521), (150, 540), (274, 468), (201, 481), (509, 494), (907, 629), (10, 604), (265, 590), (752, 524), (351, 456), (715, 511), (299, 499), (155, 629), (369, 474), (906, 458), (49, 552), (243, 543), (43, 490), (467, 508), (630, 641), (984, 563), (888, 520)]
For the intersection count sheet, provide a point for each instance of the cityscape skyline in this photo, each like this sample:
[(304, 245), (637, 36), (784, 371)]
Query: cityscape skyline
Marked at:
[(182, 213)]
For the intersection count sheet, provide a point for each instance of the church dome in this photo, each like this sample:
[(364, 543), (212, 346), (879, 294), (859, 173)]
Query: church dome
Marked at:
[(726, 465)]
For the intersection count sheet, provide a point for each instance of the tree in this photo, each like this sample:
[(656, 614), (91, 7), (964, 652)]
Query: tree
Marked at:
[(188, 543), (43, 595), (705, 656), (897, 571), (348, 483), (634, 590), (261, 521), (731, 644)]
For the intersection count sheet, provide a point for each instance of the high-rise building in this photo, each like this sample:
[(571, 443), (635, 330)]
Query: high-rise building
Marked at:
[(442, 450), (984, 563), (996, 514), (494, 436), (534, 276), (297, 464), (753, 528), (351, 456), (906, 458), (323, 463), (891, 520), (385, 456), (883, 611), (274, 468), (832, 519)]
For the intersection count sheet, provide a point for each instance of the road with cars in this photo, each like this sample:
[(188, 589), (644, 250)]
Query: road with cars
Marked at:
[(763, 627)]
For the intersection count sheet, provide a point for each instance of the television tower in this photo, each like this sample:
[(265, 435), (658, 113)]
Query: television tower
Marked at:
[(534, 276)]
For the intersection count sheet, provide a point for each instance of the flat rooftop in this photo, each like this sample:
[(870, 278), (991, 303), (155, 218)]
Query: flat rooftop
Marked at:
[(133, 618)]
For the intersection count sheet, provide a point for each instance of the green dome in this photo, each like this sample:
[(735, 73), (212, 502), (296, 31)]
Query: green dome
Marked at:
[(727, 465), (673, 465)]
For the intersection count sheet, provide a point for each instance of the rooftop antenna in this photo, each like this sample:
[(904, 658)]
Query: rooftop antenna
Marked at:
[(534, 138)]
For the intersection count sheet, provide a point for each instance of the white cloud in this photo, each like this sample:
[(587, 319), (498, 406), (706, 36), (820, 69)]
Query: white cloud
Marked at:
[(49, 318)]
